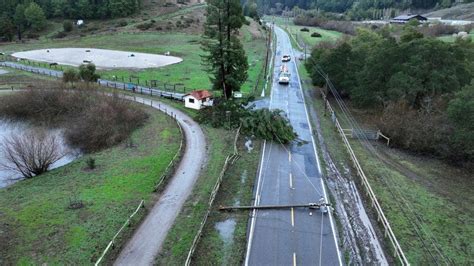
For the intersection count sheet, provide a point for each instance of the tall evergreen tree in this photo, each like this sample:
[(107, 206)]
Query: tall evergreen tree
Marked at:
[(226, 60)]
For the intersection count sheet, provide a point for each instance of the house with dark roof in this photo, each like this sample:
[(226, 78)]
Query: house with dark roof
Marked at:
[(198, 99), (402, 19)]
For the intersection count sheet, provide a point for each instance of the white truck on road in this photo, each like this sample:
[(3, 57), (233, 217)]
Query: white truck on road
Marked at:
[(284, 77)]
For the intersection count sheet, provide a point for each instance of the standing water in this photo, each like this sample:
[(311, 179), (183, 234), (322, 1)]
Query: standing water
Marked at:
[(8, 129)]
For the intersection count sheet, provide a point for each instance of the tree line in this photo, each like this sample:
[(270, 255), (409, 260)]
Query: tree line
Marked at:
[(17, 16), (354, 9), (422, 88)]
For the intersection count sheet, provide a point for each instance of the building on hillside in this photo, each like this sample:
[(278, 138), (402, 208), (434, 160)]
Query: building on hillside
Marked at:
[(198, 99), (403, 19)]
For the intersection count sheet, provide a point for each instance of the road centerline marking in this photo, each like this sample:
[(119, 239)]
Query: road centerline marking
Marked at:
[(292, 217), (291, 181), (294, 259)]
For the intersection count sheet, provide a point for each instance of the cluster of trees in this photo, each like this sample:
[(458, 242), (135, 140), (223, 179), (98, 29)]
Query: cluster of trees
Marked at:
[(422, 87), (355, 9), (24, 16), (17, 16), (78, 9)]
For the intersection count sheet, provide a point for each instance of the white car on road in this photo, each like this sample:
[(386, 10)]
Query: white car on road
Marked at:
[(286, 58)]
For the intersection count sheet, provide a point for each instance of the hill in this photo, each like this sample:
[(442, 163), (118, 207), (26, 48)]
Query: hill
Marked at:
[(458, 12)]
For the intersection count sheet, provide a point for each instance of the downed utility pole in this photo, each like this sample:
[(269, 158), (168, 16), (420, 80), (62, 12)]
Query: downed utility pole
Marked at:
[(323, 206)]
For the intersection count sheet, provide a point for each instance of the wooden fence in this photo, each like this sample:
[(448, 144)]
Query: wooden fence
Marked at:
[(171, 168), (228, 162), (388, 232), (112, 242)]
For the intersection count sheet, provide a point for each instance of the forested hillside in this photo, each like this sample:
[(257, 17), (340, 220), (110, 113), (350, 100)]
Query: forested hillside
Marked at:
[(354, 8), (76, 9)]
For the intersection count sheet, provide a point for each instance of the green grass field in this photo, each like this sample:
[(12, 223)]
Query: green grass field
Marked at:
[(189, 74), (442, 197), (303, 38), (450, 38), (36, 225)]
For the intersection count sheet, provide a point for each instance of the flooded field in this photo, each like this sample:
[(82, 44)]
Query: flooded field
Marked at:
[(8, 129)]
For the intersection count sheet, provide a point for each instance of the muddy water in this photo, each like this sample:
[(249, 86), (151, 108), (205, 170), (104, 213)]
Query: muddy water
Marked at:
[(226, 230), (7, 129)]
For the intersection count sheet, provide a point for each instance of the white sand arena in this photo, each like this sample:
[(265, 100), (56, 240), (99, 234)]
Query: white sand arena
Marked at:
[(103, 59)]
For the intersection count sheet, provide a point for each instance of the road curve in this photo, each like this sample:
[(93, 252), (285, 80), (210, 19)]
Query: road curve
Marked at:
[(148, 239)]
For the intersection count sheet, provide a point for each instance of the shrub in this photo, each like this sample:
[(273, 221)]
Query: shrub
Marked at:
[(144, 26), (67, 26), (91, 121), (87, 73), (304, 29), (316, 35), (122, 23), (70, 75), (90, 163), (32, 153), (60, 35)]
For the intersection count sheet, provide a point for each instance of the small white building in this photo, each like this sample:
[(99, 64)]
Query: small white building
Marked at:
[(198, 99)]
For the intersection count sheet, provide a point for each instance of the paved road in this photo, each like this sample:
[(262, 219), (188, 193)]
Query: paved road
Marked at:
[(290, 174), (147, 241)]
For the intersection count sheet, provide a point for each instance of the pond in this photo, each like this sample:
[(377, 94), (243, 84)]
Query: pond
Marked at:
[(8, 129)]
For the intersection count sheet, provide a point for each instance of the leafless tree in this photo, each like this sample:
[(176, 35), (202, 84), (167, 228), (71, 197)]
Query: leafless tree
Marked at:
[(31, 153)]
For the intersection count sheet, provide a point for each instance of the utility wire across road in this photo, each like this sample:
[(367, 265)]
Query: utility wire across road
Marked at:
[(290, 175)]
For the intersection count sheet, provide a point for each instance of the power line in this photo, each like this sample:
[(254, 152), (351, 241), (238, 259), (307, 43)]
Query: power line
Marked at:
[(417, 223)]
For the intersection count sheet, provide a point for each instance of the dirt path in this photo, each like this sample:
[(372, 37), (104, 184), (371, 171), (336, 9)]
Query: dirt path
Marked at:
[(148, 239)]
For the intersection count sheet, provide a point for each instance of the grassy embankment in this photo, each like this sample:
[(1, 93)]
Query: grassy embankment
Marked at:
[(190, 73), (17, 79), (439, 194), (38, 227)]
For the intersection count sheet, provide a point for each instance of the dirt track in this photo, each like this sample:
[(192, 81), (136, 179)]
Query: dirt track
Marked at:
[(102, 58)]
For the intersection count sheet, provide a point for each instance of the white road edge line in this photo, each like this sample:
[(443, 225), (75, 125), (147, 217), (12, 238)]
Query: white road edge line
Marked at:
[(315, 150), (254, 212)]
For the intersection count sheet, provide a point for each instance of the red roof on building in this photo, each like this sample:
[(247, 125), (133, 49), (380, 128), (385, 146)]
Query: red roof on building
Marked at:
[(201, 94)]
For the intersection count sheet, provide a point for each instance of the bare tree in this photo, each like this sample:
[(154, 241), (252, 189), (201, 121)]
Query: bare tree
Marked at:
[(32, 153)]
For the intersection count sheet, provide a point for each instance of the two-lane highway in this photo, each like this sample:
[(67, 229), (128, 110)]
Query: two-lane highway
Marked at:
[(290, 174)]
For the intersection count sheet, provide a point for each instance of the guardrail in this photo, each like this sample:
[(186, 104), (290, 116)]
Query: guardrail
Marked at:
[(230, 159), (112, 242), (388, 232)]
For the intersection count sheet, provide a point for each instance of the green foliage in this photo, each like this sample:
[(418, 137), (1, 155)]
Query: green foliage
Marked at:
[(269, 125), (409, 82), (20, 19), (263, 124), (78, 9), (67, 26), (223, 114), (87, 73), (7, 28), (225, 59), (35, 17), (70, 75), (461, 113)]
